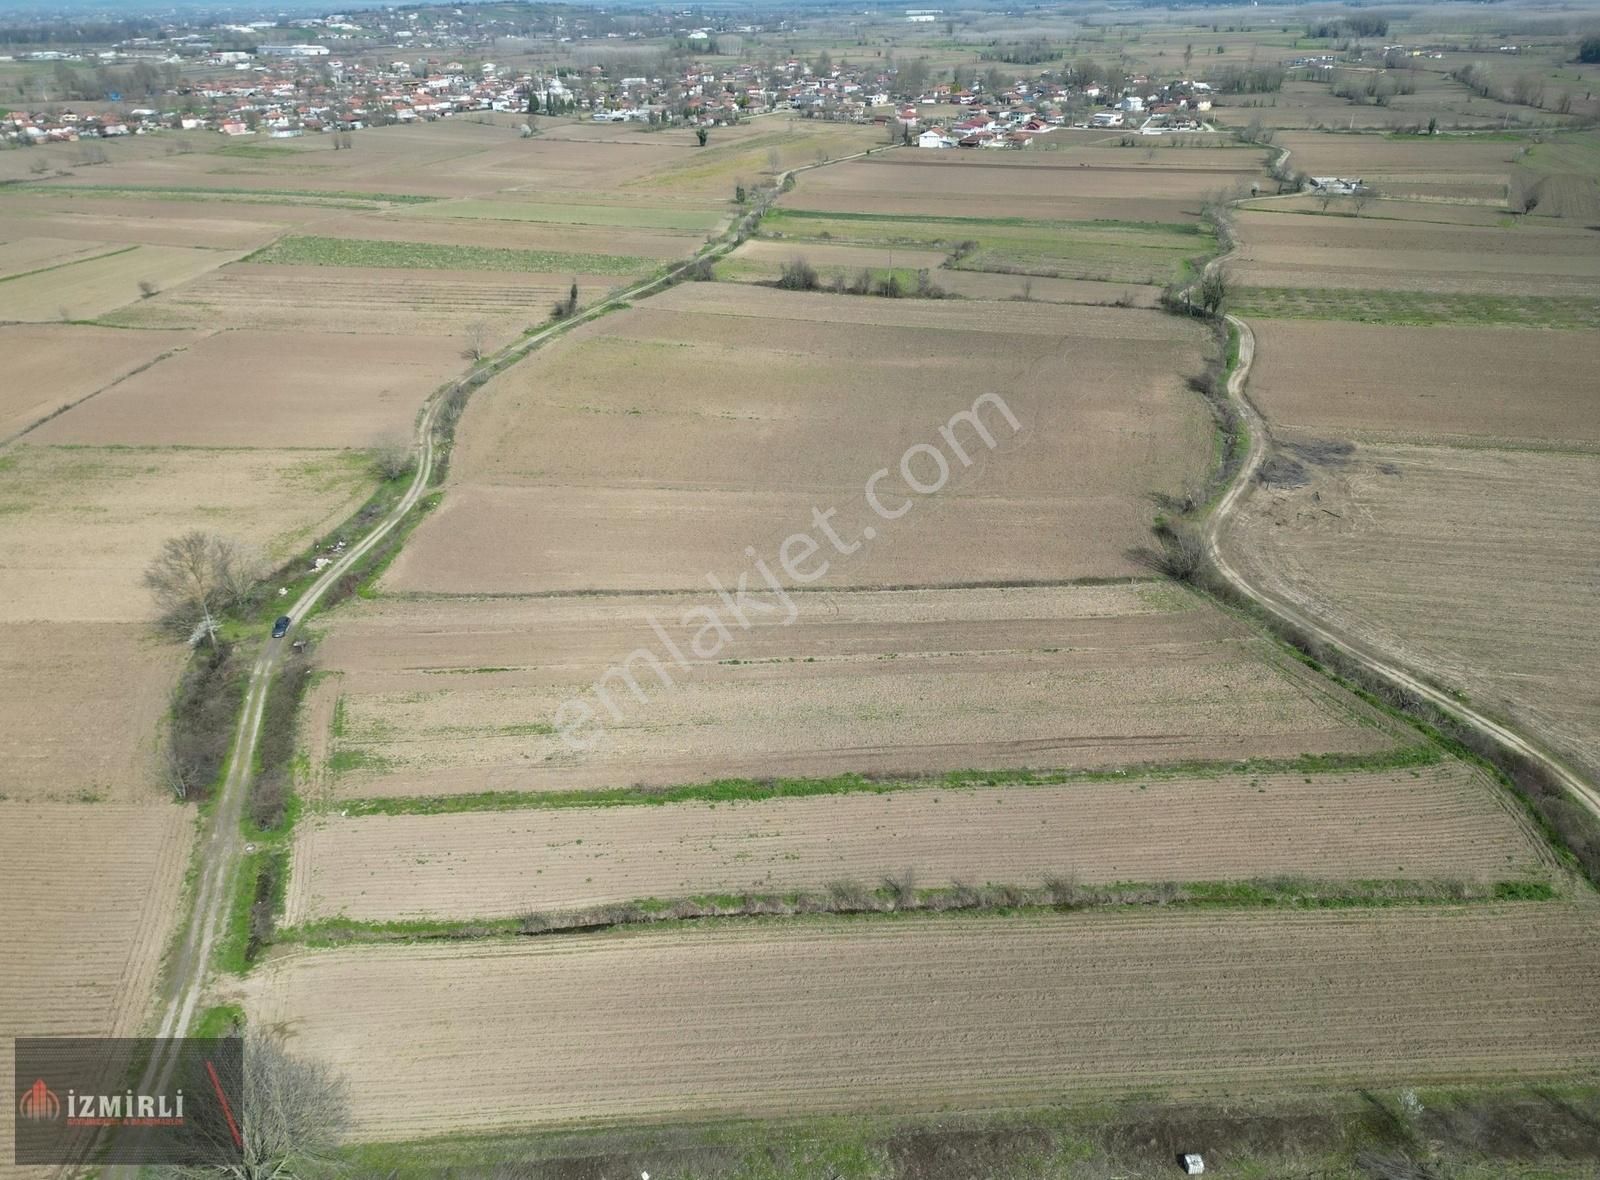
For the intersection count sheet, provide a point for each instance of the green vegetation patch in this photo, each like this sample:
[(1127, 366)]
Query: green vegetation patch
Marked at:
[(315, 251), (1423, 308), (1113, 251), (1485, 1133), (755, 790)]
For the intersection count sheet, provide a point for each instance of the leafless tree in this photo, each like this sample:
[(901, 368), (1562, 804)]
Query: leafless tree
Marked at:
[(774, 161), (477, 333), (198, 575), (392, 456), (1363, 195), (1324, 198), (291, 1114), (147, 288)]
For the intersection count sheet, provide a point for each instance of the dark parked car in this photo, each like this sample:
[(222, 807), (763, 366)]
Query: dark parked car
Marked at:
[(281, 627)]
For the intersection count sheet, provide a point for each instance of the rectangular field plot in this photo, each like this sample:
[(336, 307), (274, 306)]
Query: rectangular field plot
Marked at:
[(49, 366), (1078, 184), (803, 1018), (92, 896), (1447, 383), (1477, 566), (86, 704), (256, 388), (1107, 250), (651, 448), (364, 302), (1445, 820), (84, 290), (512, 208), (79, 525), (1374, 252), (449, 698)]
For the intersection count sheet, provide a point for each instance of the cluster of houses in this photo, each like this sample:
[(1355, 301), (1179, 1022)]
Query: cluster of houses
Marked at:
[(292, 89)]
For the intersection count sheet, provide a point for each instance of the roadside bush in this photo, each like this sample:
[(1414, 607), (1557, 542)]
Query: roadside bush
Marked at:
[(273, 783), (798, 275), (200, 732)]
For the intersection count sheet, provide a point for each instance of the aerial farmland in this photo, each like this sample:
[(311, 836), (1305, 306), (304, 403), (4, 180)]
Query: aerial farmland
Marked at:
[(992, 596)]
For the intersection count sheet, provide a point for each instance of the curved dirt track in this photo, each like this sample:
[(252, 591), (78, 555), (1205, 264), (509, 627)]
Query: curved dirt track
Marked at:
[(1294, 612), (222, 842)]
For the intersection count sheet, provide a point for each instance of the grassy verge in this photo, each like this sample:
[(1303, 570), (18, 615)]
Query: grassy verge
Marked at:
[(758, 790), (898, 897), (1465, 1133), (257, 899), (318, 251), (224, 1020), (1418, 308)]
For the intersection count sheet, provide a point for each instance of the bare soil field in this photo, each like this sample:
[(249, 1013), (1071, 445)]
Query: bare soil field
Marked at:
[(83, 290), (88, 728), (448, 698), (1478, 567), (176, 222), (817, 1017), (1441, 383), (78, 525), (49, 366), (1078, 185), (91, 900), (1472, 171), (265, 389), (1439, 821), (651, 448), (1370, 252), (24, 255), (364, 302)]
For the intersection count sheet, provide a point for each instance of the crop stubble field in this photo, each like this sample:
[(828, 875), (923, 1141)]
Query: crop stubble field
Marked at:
[(652, 447), (1443, 820), (880, 683), (89, 909), (917, 1014)]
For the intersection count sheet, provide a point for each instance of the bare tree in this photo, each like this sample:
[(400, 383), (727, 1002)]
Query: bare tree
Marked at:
[(774, 161), (1324, 198), (147, 288), (288, 1121), (477, 333), (198, 575), (1363, 195), (392, 456)]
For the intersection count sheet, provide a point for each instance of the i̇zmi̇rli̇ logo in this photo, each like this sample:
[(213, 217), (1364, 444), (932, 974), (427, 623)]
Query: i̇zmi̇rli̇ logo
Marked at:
[(39, 1103)]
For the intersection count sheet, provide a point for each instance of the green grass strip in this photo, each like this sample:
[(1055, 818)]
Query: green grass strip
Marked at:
[(744, 790), (316, 251)]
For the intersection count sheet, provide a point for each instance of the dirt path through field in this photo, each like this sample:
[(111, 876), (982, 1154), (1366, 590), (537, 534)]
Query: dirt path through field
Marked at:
[(1293, 608)]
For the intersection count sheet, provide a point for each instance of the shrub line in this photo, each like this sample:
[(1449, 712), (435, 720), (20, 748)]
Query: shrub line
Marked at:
[(899, 897)]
